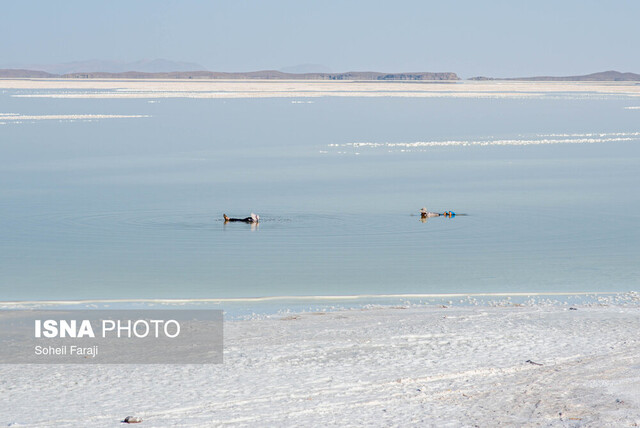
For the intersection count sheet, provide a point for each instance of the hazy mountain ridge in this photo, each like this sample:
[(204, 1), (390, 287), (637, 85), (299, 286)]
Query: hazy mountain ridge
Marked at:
[(602, 76), (306, 68), (157, 65), (615, 76), (19, 73)]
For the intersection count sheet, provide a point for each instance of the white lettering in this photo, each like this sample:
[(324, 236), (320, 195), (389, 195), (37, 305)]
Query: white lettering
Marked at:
[(104, 326), (127, 328), (51, 328), (155, 323), (86, 329), (141, 328), (166, 329), (135, 328), (67, 328)]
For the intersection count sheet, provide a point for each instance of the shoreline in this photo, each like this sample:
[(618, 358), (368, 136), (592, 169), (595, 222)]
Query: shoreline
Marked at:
[(315, 297), (253, 308)]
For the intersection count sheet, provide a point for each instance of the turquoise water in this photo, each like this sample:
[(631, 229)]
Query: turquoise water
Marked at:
[(132, 208)]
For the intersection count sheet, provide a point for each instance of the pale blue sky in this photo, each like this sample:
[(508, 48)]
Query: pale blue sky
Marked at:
[(495, 38)]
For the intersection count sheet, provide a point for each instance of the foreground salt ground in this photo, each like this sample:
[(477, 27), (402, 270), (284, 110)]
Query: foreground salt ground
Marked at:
[(441, 366)]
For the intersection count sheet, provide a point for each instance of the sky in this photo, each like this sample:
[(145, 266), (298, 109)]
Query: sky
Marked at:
[(471, 38)]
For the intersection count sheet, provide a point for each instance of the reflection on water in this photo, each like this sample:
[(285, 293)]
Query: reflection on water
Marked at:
[(252, 226), (133, 208)]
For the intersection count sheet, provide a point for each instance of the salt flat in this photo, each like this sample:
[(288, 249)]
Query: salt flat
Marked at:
[(414, 366), (191, 88)]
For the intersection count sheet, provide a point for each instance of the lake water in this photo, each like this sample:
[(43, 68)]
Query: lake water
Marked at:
[(132, 208)]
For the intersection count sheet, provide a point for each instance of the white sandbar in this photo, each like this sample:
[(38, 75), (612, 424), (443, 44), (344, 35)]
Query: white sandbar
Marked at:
[(17, 117), (195, 88)]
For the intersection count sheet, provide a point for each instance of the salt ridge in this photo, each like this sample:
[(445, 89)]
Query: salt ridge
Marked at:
[(578, 138)]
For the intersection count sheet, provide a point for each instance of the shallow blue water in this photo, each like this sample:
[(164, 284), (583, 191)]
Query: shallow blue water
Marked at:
[(132, 208)]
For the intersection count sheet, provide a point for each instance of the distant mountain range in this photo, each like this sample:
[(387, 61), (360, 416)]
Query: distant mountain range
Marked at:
[(176, 70), (614, 76), (95, 65), (265, 74), (21, 74), (306, 68)]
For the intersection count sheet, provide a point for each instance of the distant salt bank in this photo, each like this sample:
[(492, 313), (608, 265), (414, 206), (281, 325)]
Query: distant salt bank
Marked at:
[(540, 364), (67, 117), (178, 88)]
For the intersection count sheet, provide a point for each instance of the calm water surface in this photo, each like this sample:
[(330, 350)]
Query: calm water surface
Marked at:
[(132, 208)]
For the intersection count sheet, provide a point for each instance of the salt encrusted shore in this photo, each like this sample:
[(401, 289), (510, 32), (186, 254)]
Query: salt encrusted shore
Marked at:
[(402, 366), (201, 88)]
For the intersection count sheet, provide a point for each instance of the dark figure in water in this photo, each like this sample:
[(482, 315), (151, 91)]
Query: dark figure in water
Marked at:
[(253, 218), (424, 214)]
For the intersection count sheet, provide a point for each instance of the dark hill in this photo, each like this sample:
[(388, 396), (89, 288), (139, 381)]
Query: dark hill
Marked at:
[(604, 76), (16, 73)]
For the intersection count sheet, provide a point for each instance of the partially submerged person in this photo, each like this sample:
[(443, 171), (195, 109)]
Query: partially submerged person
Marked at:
[(424, 214), (253, 218)]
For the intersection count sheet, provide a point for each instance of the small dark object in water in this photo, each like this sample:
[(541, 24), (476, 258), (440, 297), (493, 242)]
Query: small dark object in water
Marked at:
[(132, 420), (534, 363), (253, 218), (573, 309)]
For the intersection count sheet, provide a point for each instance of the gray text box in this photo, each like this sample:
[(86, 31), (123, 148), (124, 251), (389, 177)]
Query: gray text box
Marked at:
[(111, 336)]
